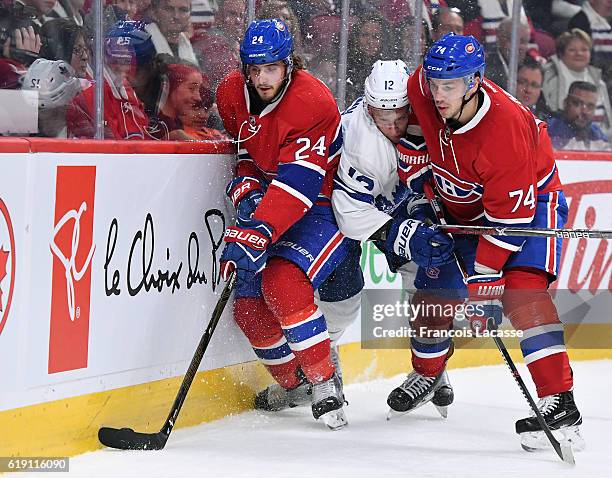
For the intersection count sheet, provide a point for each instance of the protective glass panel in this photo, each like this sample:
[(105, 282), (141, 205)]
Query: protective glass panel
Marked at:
[(152, 88)]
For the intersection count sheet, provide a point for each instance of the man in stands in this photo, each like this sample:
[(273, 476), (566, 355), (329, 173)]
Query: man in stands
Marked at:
[(170, 29), (573, 128)]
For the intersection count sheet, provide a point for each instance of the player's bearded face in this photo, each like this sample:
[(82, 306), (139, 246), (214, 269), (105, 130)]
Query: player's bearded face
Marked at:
[(448, 95), (391, 123), (267, 79)]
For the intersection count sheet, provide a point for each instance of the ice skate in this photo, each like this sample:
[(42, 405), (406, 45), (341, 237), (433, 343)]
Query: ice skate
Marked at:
[(327, 403), (563, 418), (335, 358), (275, 398), (417, 390)]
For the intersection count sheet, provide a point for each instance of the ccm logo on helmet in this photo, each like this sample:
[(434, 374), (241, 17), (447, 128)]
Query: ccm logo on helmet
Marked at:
[(251, 238)]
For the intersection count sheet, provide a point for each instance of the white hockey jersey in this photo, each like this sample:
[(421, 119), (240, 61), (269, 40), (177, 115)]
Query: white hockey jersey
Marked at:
[(367, 187)]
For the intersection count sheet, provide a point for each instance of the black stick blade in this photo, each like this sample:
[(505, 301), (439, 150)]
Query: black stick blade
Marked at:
[(128, 439)]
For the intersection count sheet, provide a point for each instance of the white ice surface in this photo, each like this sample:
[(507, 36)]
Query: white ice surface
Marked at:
[(477, 439)]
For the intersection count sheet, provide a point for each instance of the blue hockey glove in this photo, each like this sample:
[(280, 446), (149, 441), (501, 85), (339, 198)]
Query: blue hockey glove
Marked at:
[(485, 292), (246, 248), (246, 194), (418, 207), (425, 245)]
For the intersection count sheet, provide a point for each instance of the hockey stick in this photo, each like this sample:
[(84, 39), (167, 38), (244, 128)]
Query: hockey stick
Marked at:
[(526, 231), (128, 439), (564, 451)]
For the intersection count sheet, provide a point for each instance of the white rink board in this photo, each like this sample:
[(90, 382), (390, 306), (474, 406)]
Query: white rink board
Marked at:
[(132, 337)]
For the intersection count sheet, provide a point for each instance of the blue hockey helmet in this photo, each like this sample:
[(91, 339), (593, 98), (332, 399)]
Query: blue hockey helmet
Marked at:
[(455, 56), (266, 41), (128, 43)]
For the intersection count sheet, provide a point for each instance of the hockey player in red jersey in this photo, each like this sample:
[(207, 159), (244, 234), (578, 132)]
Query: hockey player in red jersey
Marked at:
[(286, 244), (493, 164)]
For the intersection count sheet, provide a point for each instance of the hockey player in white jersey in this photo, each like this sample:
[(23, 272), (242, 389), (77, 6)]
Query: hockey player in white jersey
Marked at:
[(376, 198)]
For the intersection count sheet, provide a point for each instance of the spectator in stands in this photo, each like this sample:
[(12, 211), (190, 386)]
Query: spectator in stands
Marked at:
[(404, 36), (11, 74), (325, 69), (529, 88), (57, 85), (193, 117), (69, 9), (170, 30), (19, 38), (368, 42), (124, 114), (230, 21), (574, 127), (594, 19), (40, 8), (446, 20), (183, 91), (202, 16), (62, 39), (498, 60), (306, 9), (571, 63), (322, 39), (281, 9), (217, 49)]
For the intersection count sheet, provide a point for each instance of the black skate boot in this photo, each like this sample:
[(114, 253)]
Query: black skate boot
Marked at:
[(417, 390), (443, 396), (563, 418), (327, 402), (275, 398)]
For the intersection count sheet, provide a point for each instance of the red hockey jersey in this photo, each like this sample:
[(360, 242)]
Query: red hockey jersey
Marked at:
[(289, 144), (124, 114), (491, 169)]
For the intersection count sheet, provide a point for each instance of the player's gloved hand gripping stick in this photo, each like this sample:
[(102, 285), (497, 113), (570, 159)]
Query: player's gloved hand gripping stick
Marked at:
[(563, 450)]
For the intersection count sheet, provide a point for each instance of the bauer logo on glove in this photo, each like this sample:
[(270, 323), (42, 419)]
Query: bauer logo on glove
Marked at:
[(253, 239)]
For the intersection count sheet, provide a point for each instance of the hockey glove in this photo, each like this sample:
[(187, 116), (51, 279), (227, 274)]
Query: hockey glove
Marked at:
[(245, 249), (427, 246), (485, 292), (245, 193), (418, 207)]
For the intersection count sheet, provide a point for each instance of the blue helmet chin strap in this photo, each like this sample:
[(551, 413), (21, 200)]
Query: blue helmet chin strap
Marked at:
[(469, 83)]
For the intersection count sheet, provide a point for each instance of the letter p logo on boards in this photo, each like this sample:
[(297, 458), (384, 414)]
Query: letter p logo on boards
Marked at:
[(72, 247)]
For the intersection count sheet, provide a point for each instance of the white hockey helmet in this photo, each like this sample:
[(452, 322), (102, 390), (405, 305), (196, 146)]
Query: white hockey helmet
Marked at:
[(387, 85), (55, 82)]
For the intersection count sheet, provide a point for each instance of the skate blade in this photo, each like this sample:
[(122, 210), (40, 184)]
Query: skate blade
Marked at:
[(569, 438), (442, 410), (335, 420), (395, 414)]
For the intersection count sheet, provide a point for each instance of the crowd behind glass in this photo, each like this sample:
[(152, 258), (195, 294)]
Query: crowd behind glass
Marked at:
[(165, 58)]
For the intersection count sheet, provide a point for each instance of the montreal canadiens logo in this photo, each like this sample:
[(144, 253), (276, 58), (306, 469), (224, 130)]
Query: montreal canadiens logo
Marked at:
[(469, 48), (456, 190), (7, 263), (279, 25)]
